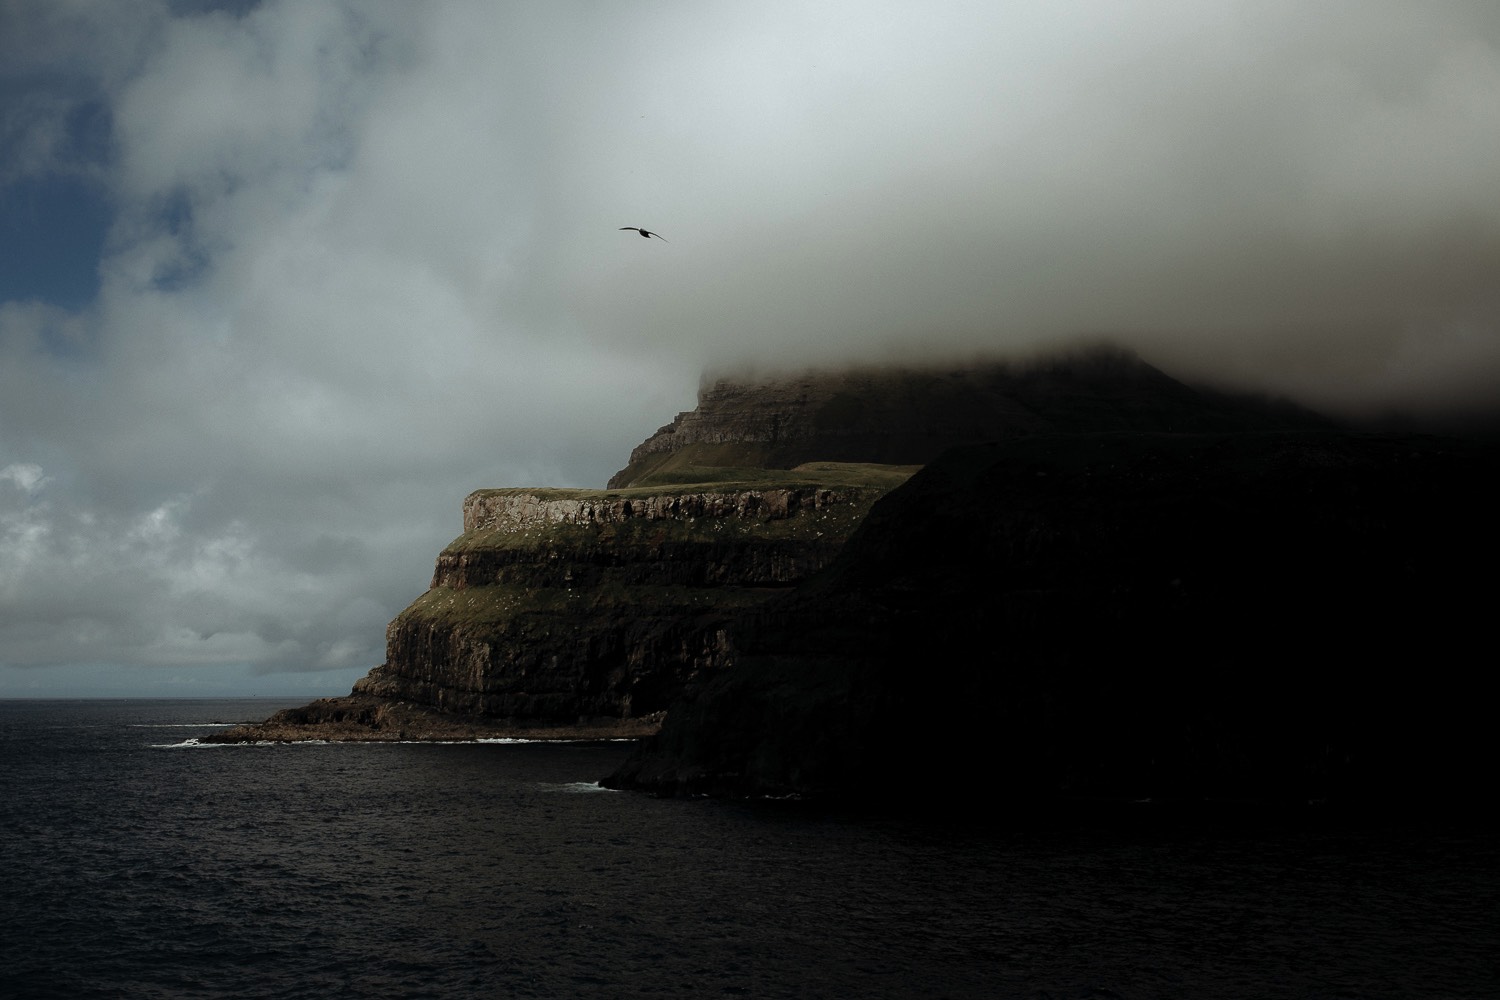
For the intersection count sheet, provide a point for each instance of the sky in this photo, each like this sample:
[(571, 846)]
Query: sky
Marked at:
[(282, 282)]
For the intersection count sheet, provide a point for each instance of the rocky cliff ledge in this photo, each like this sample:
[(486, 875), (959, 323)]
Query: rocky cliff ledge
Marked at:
[(583, 612)]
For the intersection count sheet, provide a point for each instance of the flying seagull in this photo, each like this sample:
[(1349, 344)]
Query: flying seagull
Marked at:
[(647, 234)]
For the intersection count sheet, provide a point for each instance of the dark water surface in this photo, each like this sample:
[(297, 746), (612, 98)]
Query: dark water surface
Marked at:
[(135, 866)]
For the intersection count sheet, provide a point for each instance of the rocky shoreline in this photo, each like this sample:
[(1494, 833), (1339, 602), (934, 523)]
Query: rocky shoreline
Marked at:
[(363, 718)]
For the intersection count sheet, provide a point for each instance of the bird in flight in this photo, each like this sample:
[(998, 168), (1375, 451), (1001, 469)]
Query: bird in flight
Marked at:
[(647, 234)]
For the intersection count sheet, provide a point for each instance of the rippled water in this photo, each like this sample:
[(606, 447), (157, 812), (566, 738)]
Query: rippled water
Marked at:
[(135, 866)]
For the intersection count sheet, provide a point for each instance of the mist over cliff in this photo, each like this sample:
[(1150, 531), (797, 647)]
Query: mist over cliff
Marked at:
[(595, 606), (286, 280), (1135, 588), (908, 414)]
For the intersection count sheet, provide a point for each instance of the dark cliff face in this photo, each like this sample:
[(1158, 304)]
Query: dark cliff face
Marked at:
[(1285, 616), (559, 606), (556, 606), (911, 415)]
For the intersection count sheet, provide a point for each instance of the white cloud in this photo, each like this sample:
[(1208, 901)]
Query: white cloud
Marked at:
[(25, 476), (366, 256)]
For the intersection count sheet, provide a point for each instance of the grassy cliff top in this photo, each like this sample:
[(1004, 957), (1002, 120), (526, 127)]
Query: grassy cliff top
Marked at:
[(721, 479)]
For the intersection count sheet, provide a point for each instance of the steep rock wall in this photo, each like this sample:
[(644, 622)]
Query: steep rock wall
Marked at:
[(519, 510), (1287, 617), (562, 605)]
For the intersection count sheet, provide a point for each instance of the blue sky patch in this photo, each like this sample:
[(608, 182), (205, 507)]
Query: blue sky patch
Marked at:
[(52, 234)]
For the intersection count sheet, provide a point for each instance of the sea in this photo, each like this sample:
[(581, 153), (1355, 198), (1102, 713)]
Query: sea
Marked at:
[(138, 862)]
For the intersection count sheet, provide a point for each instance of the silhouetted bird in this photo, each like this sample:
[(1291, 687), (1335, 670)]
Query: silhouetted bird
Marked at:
[(645, 233)]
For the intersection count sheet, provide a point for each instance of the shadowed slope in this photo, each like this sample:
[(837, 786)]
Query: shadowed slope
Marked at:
[(1286, 616), (908, 416)]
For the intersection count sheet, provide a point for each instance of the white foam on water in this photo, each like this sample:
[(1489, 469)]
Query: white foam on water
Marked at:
[(576, 787), (513, 739), (192, 743)]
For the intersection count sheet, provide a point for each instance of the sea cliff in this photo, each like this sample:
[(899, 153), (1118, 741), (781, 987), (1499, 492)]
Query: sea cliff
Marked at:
[(1290, 617), (590, 611), (566, 613)]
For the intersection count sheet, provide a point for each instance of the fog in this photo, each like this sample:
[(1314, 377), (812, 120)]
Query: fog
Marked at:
[(358, 259)]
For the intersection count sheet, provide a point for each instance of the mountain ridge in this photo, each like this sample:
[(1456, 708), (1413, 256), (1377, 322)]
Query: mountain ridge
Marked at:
[(561, 609), (908, 415)]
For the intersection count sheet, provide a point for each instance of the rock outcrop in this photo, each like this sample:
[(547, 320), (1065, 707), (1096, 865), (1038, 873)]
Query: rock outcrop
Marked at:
[(554, 607), (586, 607), (1277, 616), (585, 611), (367, 718)]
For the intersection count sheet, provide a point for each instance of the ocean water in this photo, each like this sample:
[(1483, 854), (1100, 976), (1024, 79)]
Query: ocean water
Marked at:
[(136, 864)]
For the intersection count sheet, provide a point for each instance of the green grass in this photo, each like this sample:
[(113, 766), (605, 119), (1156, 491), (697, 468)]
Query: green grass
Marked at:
[(498, 605), (734, 479)]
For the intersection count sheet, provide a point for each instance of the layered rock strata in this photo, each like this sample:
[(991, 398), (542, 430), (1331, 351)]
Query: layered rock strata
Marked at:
[(584, 610), (557, 606)]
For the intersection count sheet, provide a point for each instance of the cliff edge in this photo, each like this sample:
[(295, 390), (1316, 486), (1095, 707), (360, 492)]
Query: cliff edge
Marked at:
[(590, 610), (571, 613)]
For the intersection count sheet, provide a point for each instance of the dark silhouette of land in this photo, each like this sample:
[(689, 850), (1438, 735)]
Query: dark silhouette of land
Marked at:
[(1293, 617)]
